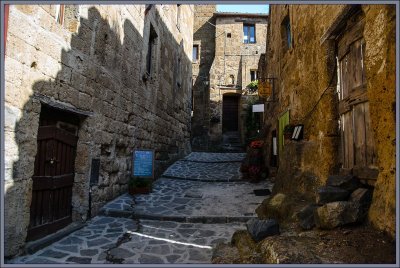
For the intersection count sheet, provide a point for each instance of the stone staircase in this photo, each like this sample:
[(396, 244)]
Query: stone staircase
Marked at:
[(231, 142)]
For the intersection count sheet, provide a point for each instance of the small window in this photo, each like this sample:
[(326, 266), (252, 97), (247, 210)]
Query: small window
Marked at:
[(195, 55), (151, 49), (229, 35), (68, 16), (60, 9), (253, 75), (286, 33), (249, 33), (178, 17)]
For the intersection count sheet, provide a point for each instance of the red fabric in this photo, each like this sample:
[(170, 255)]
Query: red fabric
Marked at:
[(256, 144)]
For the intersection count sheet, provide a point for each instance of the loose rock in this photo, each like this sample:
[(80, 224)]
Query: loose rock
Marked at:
[(347, 182), (328, 194), (337, 214), (306, 217), (363, 197), (260, 229)]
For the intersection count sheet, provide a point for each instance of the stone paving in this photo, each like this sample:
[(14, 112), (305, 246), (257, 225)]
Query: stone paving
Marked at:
[(209, 172), (111, 240), (215, 157), (87, 245), (179, 222), (197, 201)]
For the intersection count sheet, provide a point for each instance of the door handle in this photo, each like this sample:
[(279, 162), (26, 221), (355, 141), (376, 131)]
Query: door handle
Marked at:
[(52, 161)]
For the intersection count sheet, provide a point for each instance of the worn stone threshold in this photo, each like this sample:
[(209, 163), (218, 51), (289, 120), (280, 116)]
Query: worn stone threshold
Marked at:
[(195, 219), (33, 246), (116, 213), (176, 218), (208, 162), (201, 180)]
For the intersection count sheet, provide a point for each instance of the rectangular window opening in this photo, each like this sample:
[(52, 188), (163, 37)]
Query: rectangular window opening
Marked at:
[(151, 49), (60, 9), (253, 75), (249, 33), (286, 34), (195, 54), (178, 17)]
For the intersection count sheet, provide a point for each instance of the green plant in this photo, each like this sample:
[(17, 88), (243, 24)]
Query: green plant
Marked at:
[(253, 85), (252, 122)]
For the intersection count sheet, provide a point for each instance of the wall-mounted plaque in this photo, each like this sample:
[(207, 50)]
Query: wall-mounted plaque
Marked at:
[(143, 163), (258, 108)]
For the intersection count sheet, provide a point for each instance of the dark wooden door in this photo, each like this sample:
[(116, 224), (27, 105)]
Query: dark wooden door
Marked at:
[(52, 181), (230, 113), (358, 146)]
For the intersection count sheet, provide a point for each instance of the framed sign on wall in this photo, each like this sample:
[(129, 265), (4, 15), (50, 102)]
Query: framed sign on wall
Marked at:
[(143, 163)]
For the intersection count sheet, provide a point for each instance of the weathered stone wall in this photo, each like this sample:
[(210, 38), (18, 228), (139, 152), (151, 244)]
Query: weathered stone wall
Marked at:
[(95, 63), (302, 74), (380, 62), (233, 58), (204, 37)]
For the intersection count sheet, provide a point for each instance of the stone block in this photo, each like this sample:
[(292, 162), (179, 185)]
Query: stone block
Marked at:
[(260, 229), (306, 217), (328, 194), (347, 182), (336, 214), (277, 206), (363, 197)]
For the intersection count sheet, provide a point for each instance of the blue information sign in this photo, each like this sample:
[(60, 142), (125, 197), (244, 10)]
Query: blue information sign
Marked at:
[(143, 163)]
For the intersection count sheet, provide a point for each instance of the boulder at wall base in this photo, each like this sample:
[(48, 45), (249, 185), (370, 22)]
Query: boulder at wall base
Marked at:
[(225, 254), (306, 217), (260, 229), (277, 206), (246, 246), (335, 214), (327, 194), (363, 197), (289, 250), (346, 182)]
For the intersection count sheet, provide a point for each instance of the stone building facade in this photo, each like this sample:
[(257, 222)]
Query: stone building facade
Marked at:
[(97, 81), (204, 45), (239, 40), (333, 68)]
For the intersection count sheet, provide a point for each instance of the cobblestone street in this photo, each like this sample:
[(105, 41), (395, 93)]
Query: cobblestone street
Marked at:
[(194, 206)]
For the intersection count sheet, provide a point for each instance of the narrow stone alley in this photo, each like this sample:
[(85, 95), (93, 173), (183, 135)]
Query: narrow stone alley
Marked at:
[(199, 201), (183, 133)]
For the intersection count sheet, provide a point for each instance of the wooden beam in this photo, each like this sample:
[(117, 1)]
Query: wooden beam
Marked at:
[(340, 21)]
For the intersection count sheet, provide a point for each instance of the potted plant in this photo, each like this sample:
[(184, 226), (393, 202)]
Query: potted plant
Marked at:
[(139, 185), (288, 131)]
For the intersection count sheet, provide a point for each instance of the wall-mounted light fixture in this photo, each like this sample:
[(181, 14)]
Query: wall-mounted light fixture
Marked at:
[(298, 132)]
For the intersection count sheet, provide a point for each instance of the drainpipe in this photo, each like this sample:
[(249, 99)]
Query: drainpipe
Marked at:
[(89, 214)]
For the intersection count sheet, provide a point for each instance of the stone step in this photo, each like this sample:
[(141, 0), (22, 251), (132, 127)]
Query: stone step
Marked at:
[(233, 179), (195, 219)]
